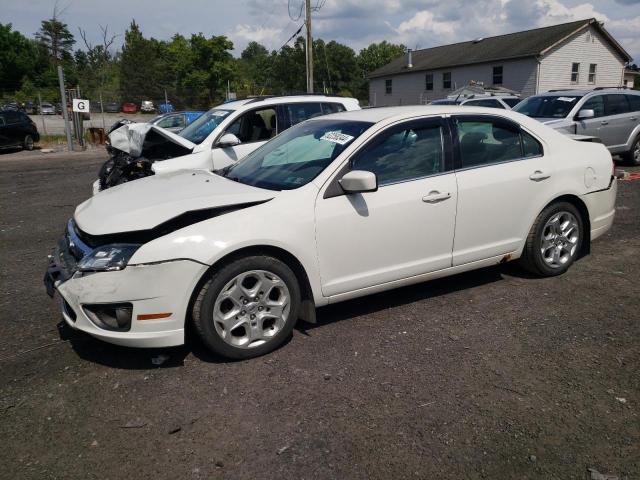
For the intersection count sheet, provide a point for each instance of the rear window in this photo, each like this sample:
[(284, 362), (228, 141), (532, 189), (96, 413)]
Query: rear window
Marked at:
[(634, 102), (547, 106), (332, 108), (616, 104)]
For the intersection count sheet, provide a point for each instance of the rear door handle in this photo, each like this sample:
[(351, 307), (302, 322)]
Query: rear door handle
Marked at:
[(538, 176), (604, 122), (435, 197), (633, 119)]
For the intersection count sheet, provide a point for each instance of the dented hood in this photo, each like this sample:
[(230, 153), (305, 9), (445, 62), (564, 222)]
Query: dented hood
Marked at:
[(129, 138), (149, 202)]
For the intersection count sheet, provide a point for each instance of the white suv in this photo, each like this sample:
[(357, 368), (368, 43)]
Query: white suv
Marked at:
[(218, 138)]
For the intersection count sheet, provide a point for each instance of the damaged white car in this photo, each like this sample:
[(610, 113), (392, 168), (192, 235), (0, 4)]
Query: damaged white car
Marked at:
[(218, 138), (334, 208)]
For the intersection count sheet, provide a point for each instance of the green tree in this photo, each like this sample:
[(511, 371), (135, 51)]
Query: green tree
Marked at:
[(19, 59), (371, 58), (254, 69), (56, 39), (335, 68)]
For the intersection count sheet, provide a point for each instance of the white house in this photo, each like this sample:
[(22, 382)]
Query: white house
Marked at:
[(579, 54)]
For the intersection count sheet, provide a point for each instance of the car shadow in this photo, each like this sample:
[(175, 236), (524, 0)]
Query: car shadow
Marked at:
[(114, 356)]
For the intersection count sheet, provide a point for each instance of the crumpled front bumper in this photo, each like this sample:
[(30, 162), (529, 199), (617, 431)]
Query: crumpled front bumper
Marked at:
[(152, 289)]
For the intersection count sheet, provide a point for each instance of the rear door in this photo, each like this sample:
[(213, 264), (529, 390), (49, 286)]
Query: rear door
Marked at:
[(503, 176), (5, 140)]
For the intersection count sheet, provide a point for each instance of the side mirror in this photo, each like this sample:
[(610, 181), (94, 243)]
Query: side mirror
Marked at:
[(359, 181), (228, 140), (586, 113)]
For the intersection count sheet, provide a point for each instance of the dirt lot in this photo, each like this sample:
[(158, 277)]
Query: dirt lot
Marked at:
[(489, 374)]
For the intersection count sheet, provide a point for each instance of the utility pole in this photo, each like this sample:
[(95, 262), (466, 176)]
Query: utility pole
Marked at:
[(63, 99), (309, 49), (44, 126)]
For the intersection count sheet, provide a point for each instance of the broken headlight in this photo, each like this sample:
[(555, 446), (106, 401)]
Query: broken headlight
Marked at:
[(108, 257)]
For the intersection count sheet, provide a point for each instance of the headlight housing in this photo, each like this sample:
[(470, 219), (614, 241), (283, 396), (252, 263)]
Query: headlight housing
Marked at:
[(108, 258)]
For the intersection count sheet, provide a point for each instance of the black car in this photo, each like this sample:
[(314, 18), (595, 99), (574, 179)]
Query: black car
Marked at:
[(17, 130)]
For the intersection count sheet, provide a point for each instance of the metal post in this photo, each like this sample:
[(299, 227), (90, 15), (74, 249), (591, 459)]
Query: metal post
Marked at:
[(44, 126), (102, 113), (63, 99), (80, 120), (166, 100), (309, 47)]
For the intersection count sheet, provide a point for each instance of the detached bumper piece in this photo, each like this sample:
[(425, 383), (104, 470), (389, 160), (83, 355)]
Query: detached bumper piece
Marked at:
[(62, 265)]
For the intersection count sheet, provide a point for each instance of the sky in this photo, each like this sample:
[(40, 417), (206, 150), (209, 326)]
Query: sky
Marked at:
[(357, 23)]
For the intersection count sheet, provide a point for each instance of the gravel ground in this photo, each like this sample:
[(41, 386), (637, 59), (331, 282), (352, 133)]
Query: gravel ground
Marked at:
[(489, 374)]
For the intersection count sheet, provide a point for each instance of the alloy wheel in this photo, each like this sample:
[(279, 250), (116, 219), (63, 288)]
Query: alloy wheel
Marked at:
[(560, 237), (251, 308)]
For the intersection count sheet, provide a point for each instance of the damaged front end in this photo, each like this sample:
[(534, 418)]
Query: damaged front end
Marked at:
[(134, 147)]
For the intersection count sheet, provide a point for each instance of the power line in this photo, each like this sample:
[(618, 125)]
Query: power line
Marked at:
[(292, 37)]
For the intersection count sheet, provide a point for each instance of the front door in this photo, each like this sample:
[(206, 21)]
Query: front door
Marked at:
[(406, 227), (253, 129)]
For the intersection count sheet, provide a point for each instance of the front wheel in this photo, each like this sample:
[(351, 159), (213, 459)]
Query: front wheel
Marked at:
[(247, 308), (554, 241)]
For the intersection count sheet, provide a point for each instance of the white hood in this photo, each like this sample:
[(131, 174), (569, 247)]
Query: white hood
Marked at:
[(146, 203), (130, 138)]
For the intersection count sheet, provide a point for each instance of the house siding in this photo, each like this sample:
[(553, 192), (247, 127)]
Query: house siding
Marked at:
[(409, 88), (555, 66)]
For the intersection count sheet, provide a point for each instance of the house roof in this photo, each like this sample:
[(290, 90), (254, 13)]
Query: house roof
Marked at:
[(502, 47)]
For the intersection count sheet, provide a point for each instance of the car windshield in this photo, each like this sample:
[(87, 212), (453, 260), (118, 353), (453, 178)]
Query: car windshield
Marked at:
[(296, 156), (547, 106), (203, 126)]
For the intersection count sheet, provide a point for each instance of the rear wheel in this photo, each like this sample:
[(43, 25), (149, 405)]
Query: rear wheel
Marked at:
[(632, 157), (27, 143), (247, 308), (554, 241)]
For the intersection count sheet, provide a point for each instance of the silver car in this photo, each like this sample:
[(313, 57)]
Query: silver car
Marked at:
[(611, 114)]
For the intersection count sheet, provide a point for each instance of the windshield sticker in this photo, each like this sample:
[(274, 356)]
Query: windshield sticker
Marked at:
[(566, 99), (337, 137)]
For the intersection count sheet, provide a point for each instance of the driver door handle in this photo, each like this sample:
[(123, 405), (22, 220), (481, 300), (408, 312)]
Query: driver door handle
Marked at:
[(538, 176), (435, 197), (604, 122)]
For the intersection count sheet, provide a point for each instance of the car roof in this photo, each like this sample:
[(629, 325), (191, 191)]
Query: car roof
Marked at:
[(575, 92), (386, 114), (276, 99)]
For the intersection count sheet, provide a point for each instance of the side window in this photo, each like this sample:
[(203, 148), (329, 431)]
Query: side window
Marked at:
[(486, 103), (512, 102), (255, 126), (634, 102), (616, 104), (596, 104), (172, 121), (299, 112), (332, 108), (483, 142), (530, 146), (403, 153), (446, 80), (497, 75)]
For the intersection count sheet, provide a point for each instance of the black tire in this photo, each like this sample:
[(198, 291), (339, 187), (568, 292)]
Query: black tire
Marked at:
[(632, 157), (27, 144), (203, 307), (532, 257)]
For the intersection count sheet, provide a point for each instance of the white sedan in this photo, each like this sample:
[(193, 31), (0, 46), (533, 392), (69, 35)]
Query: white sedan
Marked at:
[(334, 208)]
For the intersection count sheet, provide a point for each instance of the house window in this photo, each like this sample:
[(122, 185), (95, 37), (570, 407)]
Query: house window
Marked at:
[(388, 86), (575, 72), (428, 82), (497, 75), (592, 73), (446, 80)]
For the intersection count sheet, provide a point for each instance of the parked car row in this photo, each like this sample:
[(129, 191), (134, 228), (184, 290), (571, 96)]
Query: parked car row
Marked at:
[(240, 242)]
